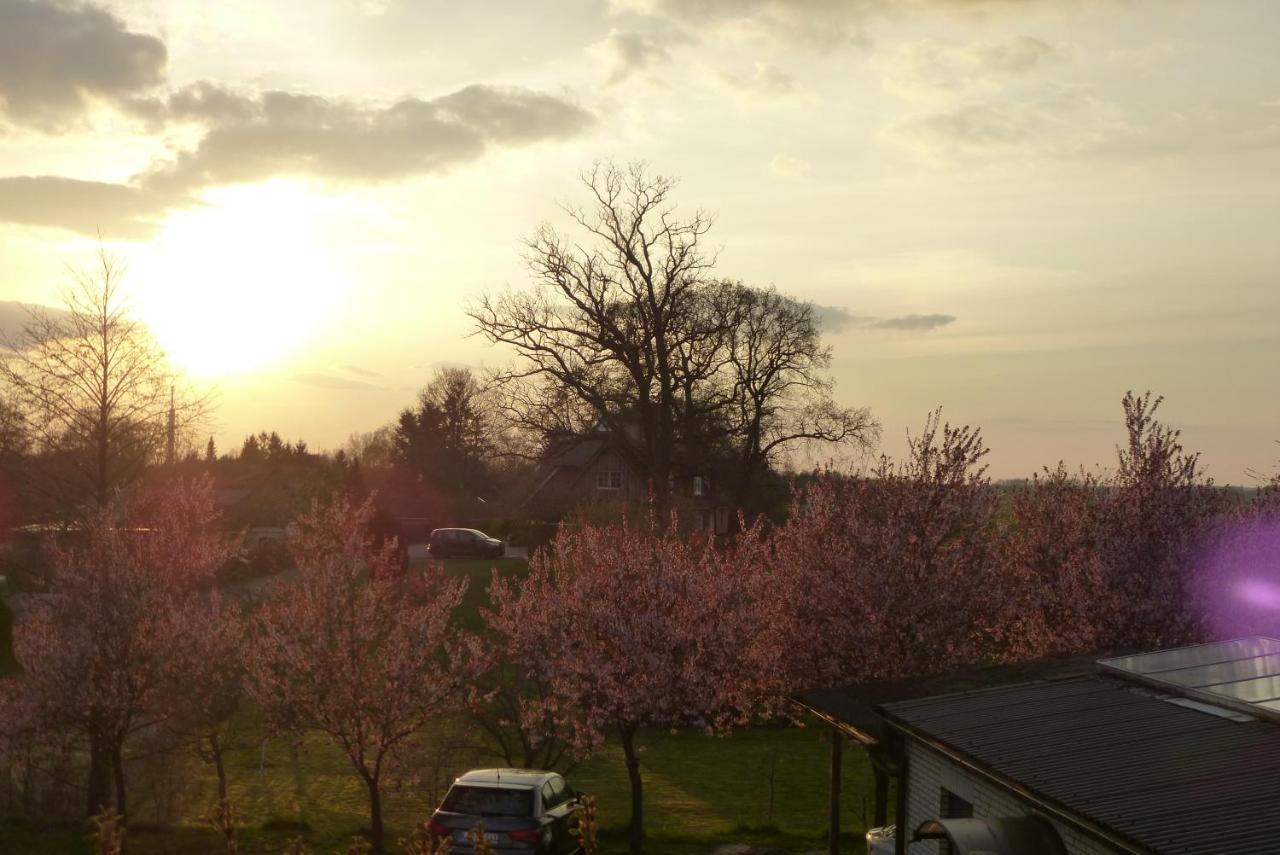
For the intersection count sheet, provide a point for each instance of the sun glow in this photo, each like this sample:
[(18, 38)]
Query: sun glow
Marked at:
[(239, 283)]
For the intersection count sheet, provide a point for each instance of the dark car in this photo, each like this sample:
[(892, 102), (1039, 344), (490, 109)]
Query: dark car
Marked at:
[(464, 543), (523, 811)]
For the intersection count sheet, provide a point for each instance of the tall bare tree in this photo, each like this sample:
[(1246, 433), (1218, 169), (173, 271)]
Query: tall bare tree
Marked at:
[(627, 327), (95, 391)]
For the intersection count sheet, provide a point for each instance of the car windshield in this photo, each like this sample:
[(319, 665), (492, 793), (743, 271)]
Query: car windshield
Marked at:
[(488, 801)]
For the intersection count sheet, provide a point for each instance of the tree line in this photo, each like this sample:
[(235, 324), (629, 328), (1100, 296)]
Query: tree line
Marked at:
[(626, 327)]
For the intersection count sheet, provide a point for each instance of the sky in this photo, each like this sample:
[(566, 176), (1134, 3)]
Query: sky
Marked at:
[(1015, 210)]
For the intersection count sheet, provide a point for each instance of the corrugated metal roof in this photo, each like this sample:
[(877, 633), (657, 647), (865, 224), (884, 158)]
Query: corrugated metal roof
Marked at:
[(1167, 777), (857, 706)]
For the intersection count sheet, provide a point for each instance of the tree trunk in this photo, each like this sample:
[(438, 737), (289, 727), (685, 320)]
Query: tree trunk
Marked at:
[(635, 832), (99, 785), (117, 770), (375, 815), (215, 751)]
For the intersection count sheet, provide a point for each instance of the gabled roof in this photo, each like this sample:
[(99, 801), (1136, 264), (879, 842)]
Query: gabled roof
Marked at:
[(855, 708), (1142, 767)]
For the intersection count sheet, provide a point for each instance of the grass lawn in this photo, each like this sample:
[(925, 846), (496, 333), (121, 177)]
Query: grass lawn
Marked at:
[(478, 572), (700, 791), (762, 785)]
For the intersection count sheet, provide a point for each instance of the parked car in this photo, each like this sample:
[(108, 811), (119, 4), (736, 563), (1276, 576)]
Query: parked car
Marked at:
[(464, 543), (523, 811)]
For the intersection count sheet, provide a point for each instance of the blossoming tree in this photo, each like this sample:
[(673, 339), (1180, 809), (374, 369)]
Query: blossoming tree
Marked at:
[(350, 650), (101, 650), (630, 626)]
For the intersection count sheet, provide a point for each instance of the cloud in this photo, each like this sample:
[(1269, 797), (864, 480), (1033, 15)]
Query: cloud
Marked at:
[(14, 317), (1056, 123), (118, 211), (57, 57), (789, 167), (837, 319), (765, 82), (914, 323), (822, 24), (363, 372), (329, 381), (254, 137), (628, 53), (928, 68)]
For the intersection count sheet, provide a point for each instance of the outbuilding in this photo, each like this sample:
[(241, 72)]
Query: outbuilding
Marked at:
[(1174, 751)]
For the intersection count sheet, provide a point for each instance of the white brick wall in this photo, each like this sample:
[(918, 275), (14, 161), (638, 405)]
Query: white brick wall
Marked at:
[(928, 772)]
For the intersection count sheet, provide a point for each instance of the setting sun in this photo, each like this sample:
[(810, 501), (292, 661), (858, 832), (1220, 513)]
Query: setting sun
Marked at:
[(239, 283)]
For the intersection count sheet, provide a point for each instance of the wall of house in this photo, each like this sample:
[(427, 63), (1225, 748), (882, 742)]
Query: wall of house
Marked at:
[(929, 772), (633, 487)]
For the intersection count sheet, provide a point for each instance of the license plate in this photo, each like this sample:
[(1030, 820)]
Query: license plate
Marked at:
[(491, 837)]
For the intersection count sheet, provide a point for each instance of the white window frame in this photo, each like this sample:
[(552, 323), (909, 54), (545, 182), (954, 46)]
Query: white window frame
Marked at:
[(609, 479), (700, 485)]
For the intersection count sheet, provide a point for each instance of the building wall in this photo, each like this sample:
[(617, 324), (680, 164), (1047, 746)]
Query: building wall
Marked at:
[(634, 487), (928, 772)]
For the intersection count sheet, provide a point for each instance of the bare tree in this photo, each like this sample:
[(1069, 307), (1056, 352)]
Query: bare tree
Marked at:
[(96, 393), (13, 438), (763, 386), (605, 320), (629, 330)]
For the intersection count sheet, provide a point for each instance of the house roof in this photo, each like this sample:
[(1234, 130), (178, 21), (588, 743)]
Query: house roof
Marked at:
[(1146, 769), (855, 708)]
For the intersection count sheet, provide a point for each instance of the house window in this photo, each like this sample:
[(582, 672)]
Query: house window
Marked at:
[(706, 520), (609, 479), (722, 520), (700, 485)]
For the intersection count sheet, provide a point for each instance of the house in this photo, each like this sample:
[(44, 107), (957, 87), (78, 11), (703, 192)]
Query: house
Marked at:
[(1174, 751), (598, 472)]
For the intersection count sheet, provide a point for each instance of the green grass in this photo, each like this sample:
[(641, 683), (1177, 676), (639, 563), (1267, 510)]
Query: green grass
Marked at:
[(700, 791), (478, 572)]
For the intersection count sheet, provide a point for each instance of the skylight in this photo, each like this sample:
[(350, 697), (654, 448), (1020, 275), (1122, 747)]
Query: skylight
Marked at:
[(1242, 674)]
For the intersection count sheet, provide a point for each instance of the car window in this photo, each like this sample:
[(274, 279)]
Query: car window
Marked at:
[(548, 797), (560, 790), (488, 801)]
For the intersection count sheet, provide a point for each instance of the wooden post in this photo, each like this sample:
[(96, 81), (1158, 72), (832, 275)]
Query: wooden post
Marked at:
[(833, 838), (900, 806), (882, 768), (882, 795)]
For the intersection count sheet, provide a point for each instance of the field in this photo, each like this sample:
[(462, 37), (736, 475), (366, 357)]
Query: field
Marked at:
[(700, 791)]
